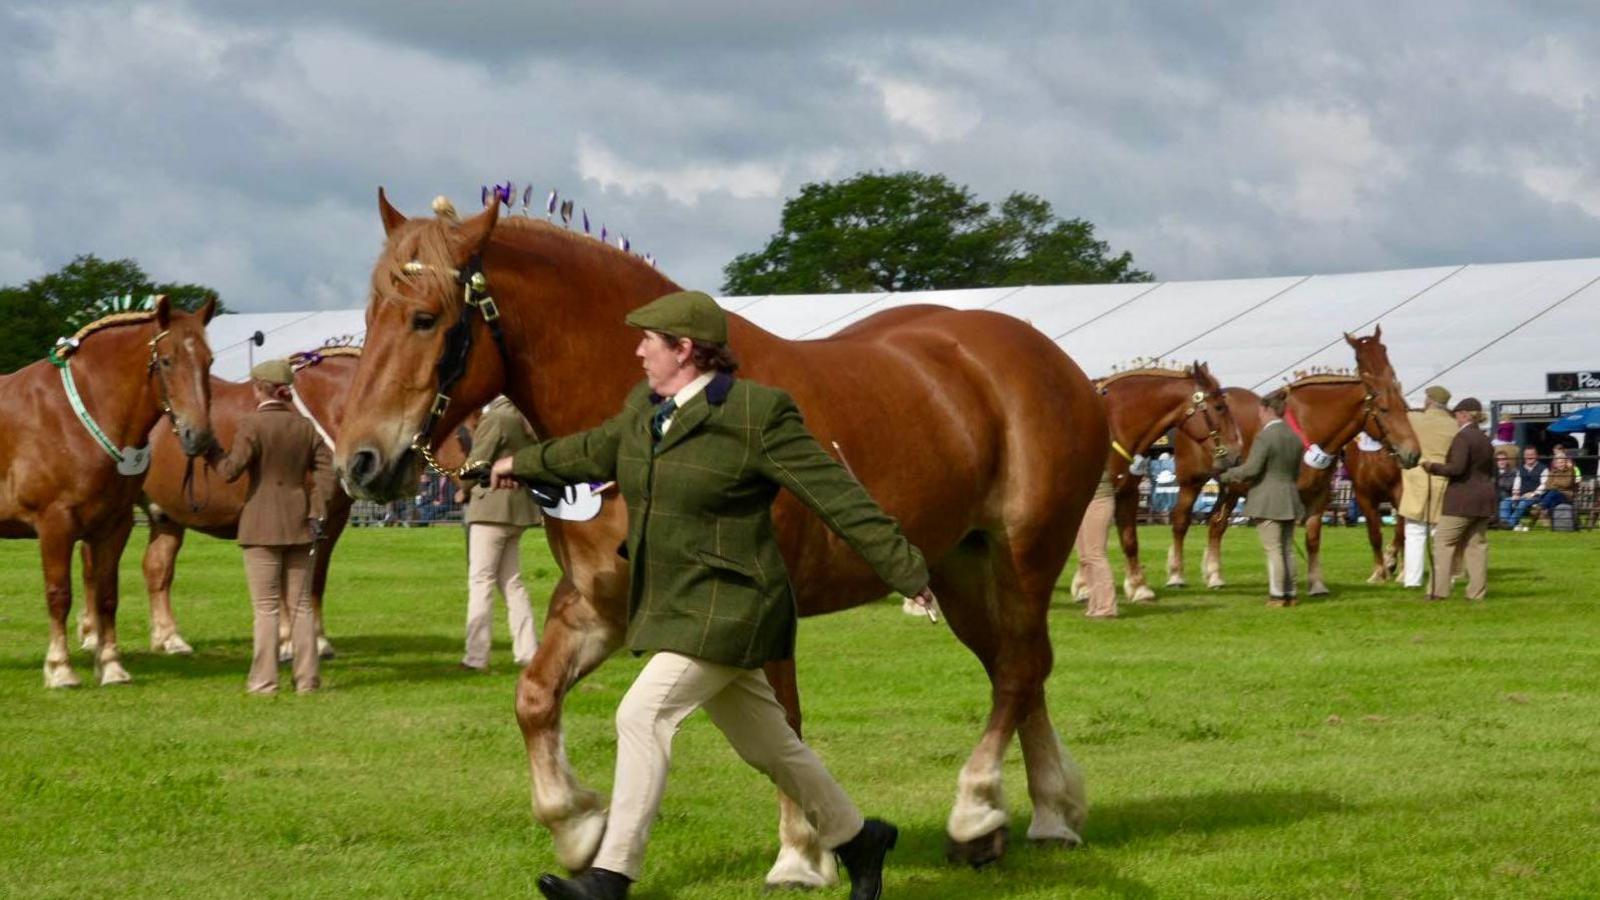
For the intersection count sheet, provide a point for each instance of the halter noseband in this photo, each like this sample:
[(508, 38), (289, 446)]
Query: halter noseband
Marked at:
[(1197, 404), (457, 349)]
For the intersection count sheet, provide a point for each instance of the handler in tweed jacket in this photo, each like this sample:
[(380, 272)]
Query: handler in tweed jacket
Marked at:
[(1273, 501), (699, 458)]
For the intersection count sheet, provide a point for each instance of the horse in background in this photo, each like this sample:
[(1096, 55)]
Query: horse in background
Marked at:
[(1326, 411), (1194, 465), (1375, 480), (972, 428), (1142, 405), (75, 476)]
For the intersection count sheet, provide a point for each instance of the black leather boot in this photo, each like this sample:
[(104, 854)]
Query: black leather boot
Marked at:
[(594, 884), (863, 856)]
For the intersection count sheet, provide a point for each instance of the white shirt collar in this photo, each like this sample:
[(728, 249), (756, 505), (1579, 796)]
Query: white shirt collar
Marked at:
[(692, 388), (1277, 421)]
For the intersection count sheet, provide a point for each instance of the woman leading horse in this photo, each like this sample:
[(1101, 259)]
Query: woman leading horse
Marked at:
[(972, 429)]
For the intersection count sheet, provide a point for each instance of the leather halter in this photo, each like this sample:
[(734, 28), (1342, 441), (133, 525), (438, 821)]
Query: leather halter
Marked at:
[(1197, 403), (457, 349)]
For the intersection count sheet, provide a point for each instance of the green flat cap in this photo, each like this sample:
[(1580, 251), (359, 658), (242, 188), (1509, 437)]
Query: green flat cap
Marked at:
[(1438, 395), (690, 314), (273, 371)]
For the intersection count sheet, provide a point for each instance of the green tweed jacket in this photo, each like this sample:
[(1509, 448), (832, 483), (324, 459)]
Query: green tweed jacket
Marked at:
[(501, 432), (708, 580), (1271, 471)]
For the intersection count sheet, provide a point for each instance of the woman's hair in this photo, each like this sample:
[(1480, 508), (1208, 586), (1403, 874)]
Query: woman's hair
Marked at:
[(1559, 452), (1276, 402), (275, 391), (707, 357)]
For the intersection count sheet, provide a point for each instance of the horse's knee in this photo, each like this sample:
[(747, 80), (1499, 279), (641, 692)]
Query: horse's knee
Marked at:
[(537, 706)]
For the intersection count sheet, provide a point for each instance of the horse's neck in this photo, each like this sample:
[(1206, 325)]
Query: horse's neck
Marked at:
[(1135, 429), (568, 354), (1341, 421), (112, 374)]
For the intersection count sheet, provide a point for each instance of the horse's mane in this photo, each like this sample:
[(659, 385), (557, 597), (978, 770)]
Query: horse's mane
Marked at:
[(429, 241), (305, 359), (1157, 371), (1304, 378), (65, 346)]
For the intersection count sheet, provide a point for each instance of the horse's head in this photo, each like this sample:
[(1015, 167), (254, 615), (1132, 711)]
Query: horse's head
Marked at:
[(1386, 417), (180, 371), (1209, 422), (429, 357)]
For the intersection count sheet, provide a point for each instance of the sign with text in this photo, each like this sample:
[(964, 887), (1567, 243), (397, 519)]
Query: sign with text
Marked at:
[(1565, 382)]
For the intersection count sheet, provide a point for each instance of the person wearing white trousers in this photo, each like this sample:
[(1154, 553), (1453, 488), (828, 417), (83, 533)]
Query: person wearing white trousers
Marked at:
[(1422, 495), (496, 519)]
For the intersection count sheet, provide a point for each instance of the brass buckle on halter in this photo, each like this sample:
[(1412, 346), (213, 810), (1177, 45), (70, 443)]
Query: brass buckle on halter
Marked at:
[(440, 404), (489, 310)]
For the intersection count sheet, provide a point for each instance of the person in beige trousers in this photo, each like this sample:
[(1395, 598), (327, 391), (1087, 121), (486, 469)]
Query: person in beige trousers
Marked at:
[(1422, 495), (1273, 502), (1091, 547), (280, 520), (496, 518)]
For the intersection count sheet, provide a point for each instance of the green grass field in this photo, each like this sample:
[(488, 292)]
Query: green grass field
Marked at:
[(1369, 745)]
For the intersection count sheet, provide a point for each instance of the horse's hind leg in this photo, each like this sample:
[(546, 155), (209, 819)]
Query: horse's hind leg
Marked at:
[(1134, 586), (160, 561), (802, 860), (1055, 783), (1369, 511), (105, 552), (1001, 618), (1216, 528), (338, 518)]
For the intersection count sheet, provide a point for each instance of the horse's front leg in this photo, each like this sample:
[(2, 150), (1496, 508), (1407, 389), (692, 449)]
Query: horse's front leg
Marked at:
[(55, 552), (1134, 586), (1182, 516), (104, 553), (802, 860), (160, 561), (579, 633)]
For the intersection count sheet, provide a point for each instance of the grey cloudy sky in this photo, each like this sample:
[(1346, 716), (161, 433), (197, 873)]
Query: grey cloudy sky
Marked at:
[(240, 143)]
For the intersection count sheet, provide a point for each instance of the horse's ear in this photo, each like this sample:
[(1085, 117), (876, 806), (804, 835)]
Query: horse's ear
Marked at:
[(1350, 340), (471, 235), (163, 312), (392, 218), (207, 309), (1377, 331)]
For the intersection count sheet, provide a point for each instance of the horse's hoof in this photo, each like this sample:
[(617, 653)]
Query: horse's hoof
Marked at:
[(980, 851), (60, 676), (1320, 590), (1144, 594), (1177, 581), (325, 649), (113, 673), (285, 653), (1216, 584), (175, 645), (91, 641), (795, 870), (1056, 843)]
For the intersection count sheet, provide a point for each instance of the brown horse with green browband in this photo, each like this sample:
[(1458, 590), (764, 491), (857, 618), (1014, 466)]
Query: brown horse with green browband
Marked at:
[(75, 476)]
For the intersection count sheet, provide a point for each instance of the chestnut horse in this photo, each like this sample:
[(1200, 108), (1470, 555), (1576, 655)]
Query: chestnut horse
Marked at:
[(1327, 411), (1141, 406), (182, 494), (1375, 480), (972, 428), (63, 483), (1194, 466)]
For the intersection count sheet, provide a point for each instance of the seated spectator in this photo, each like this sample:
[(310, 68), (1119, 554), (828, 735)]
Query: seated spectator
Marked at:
[(1164, 475), (1505, 485), (1529, 487), (1561, 482)]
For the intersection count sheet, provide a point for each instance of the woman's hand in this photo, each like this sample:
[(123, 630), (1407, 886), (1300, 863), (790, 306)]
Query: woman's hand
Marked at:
[(500, 475), (929, 603)]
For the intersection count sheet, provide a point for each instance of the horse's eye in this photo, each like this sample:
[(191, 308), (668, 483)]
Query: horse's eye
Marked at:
[(166, 362), (423, 321)]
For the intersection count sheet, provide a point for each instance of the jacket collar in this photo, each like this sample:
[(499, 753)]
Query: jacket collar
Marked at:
[(716, 393), (696, 411)]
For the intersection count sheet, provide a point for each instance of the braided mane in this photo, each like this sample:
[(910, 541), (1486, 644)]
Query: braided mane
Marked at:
[(66, 346), (1323, 378), (1153, 371), (305, 359)]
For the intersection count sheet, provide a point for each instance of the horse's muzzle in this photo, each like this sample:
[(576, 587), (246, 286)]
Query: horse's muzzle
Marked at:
[(194, 441), (369, 477)]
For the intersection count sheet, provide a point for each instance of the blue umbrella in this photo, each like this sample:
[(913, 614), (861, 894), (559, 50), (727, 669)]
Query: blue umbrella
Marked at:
[(1582, 420)]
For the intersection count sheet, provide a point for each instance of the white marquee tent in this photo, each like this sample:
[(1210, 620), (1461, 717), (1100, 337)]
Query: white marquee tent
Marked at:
[(1491, 331)]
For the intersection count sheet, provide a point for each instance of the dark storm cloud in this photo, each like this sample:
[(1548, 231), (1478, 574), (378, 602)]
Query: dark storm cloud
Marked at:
[(240, 143)]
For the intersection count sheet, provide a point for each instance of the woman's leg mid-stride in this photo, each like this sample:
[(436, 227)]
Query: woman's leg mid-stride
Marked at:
[(296, 577), (668, 689)]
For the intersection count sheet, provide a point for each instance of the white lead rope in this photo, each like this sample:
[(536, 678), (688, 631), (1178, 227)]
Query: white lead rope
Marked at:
[(302, 409)]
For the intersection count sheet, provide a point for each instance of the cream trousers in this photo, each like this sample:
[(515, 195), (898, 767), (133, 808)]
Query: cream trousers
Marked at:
[(280, 574), (1092, 562), (740, 702), (494, 560)]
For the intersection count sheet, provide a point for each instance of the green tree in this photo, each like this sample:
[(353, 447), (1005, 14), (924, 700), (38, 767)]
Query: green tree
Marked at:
[(910, 231), (52, 306)]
